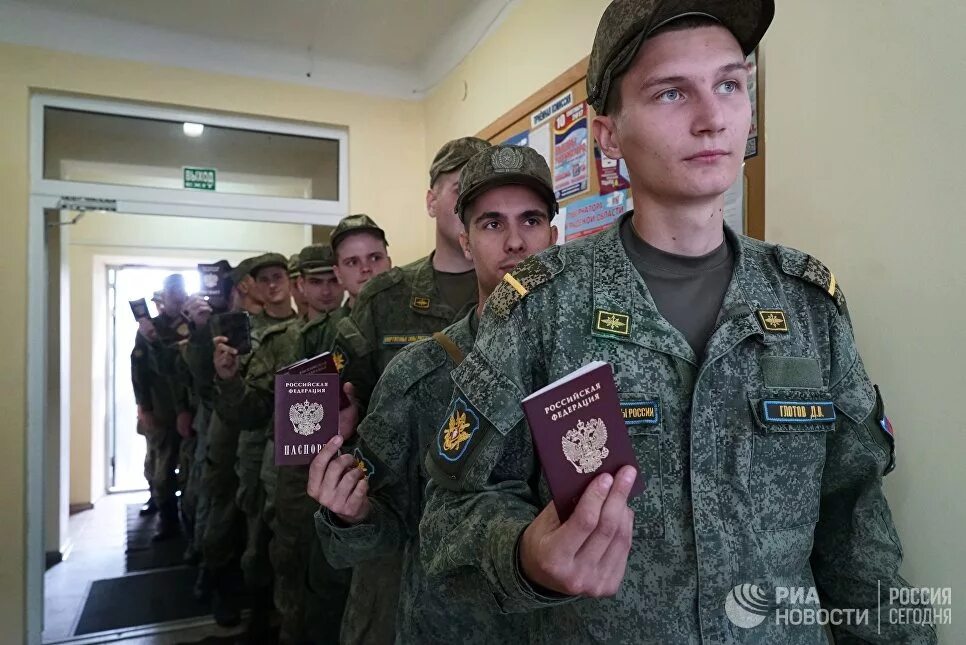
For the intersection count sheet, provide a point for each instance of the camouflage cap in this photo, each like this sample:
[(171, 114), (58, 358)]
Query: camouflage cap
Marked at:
[(293, 265), (354, 224), (239, 272), (503, 165), (627, 23), (317, 258), (454, 155), (267, 260)]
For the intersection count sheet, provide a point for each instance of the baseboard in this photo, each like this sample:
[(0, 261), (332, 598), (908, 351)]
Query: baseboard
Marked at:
[(74, 509)]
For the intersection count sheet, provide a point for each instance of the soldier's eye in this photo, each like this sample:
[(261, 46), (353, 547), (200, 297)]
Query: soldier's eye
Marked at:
[(729, 87), (670, 96)]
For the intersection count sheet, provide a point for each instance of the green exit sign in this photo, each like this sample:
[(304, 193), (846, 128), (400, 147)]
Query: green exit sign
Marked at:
[(199, 178)]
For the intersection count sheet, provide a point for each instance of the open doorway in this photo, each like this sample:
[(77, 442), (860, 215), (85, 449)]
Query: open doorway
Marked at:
[(102, 261)]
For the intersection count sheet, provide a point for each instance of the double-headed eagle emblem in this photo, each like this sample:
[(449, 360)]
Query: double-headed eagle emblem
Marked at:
[(306, 418), (585, 446)]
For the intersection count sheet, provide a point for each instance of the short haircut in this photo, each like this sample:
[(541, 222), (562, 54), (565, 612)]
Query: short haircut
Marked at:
[(614, 104)]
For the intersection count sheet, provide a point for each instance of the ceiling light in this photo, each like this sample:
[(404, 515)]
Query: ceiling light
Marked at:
[(193, 129)]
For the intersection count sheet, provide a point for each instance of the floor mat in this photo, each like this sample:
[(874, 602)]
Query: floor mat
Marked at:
[(140, 599), (141, 553)]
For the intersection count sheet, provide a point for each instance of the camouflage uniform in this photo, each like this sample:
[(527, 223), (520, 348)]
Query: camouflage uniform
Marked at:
[(732, 494), (412, 395), (141, 382)]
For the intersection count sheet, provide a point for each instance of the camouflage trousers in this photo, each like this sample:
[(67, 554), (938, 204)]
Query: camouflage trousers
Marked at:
[(189, 500), (224, 529), (326, 595), (293, 535), (149, 457), (370, 613), (194, 495), (250, 498), (163, 448)]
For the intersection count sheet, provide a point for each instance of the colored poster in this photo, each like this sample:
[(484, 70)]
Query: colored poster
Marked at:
[(609, 173), (521, 139), (570, 172), (594, 214), (751, 146)]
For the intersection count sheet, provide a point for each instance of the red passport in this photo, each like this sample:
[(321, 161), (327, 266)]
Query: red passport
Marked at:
[(306, 416), (323, 363), (579, 433)]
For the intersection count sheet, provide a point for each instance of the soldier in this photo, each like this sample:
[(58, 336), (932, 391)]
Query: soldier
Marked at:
[(707, 331), (141, 382), (172, 409), (293, 276), (506, 203), (234, 406), (411, 303), (223, 539)]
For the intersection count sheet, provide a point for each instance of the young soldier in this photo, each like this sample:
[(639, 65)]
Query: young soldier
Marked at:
[(297, 296), (708, 330), (270, 272), (411, 303), (361, 253), (506, 204)]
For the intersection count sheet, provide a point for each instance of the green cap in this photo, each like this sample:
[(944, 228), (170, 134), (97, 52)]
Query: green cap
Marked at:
[(627, 23), (454, 155), (293, 265), (267, 260), (354, 224), (501, 166), (239, 272), (317, 258)]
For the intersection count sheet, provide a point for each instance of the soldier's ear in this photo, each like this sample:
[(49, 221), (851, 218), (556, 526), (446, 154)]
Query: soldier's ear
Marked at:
[(465, 245), (431, 203), (606, 135)]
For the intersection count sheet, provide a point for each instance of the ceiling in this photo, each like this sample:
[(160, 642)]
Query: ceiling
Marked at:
[(393, 47)]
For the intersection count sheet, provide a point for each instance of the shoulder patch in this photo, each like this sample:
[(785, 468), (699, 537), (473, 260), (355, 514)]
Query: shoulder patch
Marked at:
[(801, 265), (455, 436), (530, 274), (340, 356)]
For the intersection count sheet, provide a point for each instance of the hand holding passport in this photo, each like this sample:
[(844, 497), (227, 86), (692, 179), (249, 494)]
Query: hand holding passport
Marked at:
[(578, 545)]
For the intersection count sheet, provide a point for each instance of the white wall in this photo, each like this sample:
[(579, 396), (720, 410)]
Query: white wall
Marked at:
[(102, 239)]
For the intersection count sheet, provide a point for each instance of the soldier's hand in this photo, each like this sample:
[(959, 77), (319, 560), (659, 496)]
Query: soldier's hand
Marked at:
[(146, 329), (226, 359), (198, 310), (183, 424), (146, 418), (349, 415), (587, 554), (338, 484)]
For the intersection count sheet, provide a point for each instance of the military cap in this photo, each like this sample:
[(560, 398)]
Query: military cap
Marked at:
[(157, 296), (174, 281), (454, 155), (627, 23), (244, 268), (267, 260), (317, 258), (501, 166), (293, 265), (354, 224)]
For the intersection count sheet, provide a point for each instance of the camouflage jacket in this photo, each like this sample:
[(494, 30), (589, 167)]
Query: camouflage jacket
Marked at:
[(247, 401), (412, 395), (394, 309), (318, 335), (170, 382), (738, 491)]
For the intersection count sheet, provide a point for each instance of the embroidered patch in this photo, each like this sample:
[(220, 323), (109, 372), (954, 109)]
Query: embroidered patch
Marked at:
[(773, 320), (401, 340), (641, 412), (799, 411), (456, 433), (138, 353), (611, 322), (420, 302), (183, 330), (363, 464), (340, 357)]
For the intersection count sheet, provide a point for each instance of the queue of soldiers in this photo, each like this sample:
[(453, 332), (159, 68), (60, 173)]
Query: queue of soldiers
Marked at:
[(427, 519)]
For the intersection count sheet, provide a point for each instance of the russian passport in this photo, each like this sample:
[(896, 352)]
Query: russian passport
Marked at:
[(236, 326), (139, 308), (308, 397), (579, 433)]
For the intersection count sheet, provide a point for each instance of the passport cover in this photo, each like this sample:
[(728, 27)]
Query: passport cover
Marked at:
[(579, 432), (140, 309), (210, 280), (323, 363), (306, 416), (236, 326)]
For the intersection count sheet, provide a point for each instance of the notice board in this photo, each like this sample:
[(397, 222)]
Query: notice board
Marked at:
[(593, 190)]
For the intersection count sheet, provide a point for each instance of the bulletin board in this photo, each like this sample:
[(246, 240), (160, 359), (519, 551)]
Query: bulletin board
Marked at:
[(592, 190)]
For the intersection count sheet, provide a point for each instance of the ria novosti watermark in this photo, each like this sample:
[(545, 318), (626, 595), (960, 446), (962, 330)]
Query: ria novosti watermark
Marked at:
[(748, 606)]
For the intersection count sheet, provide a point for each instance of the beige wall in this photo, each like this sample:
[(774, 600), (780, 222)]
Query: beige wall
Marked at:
[(865, 132), (388, 186), (101, 239)]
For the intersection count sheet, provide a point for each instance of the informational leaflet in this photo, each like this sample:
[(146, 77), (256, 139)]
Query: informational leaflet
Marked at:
[(570, 153)]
